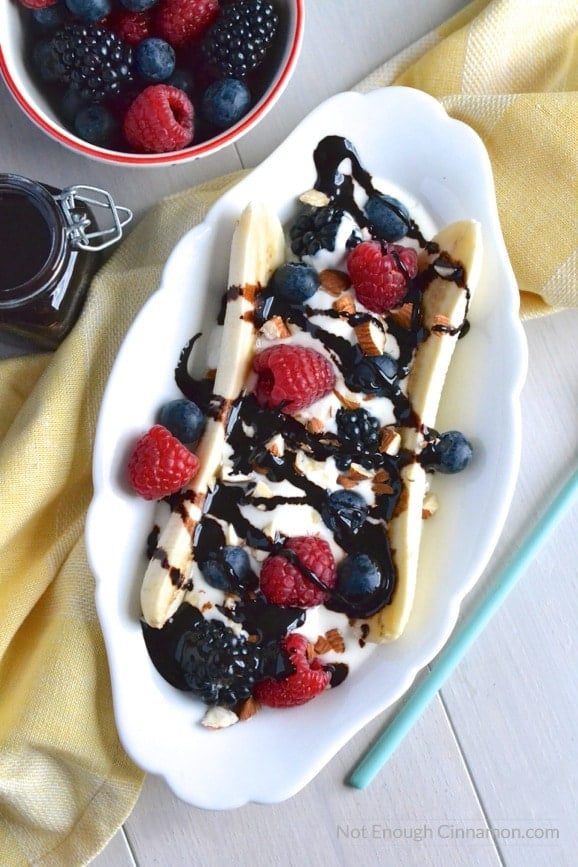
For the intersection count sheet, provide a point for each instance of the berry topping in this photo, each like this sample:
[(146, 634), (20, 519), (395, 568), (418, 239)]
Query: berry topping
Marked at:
[(389, 217), (160, 119), (291, 378), (96, 124), (450, 453), (182, 22), (160, 465), (294, 282), (316, 229), (358, 427), (37, 4), (225, 102), (226, 568), (237, 42), (380, 274), (154, 59), (357, 575), (183, 418), (132, 27), (89, 10), (93, 60), (298, 575), (219, 667), (344, 511), (308, 679)]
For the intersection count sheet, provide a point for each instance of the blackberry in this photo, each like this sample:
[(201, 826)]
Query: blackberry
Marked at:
[(237, 42), (359, 438), (218, 666), (358, 426), (316, 229), (94, 60)]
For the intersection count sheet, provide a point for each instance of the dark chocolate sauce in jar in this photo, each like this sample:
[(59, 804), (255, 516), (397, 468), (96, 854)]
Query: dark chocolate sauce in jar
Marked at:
[(48, 241)]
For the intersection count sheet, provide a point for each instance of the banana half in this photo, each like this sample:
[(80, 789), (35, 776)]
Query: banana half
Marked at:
[(258, 248), (456, 269)]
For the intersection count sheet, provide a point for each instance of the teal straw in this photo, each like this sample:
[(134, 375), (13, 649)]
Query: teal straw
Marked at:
[(461, 641)]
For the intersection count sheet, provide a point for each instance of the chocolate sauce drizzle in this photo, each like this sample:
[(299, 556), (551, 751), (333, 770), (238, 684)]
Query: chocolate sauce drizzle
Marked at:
[(250, 428)]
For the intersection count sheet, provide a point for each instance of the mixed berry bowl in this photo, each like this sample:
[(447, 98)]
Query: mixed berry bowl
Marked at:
[(148, 82)]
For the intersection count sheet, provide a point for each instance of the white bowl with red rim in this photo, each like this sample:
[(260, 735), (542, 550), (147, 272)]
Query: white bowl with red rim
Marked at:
[(16, 73)]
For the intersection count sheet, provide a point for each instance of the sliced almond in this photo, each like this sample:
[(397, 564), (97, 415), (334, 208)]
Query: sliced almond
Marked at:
[(275, 329), (390, 441), (335, 639), (314, 425), (276, 446), (430, 506), (344, 304), (347, 401), (315, 198), (358, 473), (347, 482), (371, 337), (402, 316), (249, 708), (322, 645), (333, 281), (219, 718)]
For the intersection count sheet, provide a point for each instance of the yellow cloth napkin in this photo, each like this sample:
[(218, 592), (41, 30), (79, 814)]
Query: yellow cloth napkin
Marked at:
[(507, 67)]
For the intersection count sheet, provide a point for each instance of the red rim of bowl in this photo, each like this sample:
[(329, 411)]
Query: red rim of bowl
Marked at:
[(211, 145)]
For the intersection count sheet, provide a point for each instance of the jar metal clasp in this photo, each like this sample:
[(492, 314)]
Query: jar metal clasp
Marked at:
[(79, 224)]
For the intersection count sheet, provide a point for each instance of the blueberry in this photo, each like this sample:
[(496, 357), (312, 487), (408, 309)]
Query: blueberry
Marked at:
[(451, 453), (70, 104), (295, 282), (154, 59), (226, 568), (95, 124), (225, 102), (183, 418), (389, 217), (49, 17), (138, 5), (184, 80), (357, 575), (344, 511), (47, 61), (89, 10)]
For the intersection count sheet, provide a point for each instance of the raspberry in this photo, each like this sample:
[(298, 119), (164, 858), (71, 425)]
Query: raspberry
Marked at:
[(307, 680), (380, 273), (37, 4), (291, 378), (182, 22), (160, 465), (283, 581), (131, 27), (160, 119)]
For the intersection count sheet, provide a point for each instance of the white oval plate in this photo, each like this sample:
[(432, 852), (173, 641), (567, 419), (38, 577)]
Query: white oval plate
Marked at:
[(404, 137)]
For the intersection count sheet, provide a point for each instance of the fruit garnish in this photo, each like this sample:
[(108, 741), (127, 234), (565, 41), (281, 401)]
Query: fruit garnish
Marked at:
[(160, 465), (291, 378), (380, 274), (159, 120), (300, 574), (308, 679)]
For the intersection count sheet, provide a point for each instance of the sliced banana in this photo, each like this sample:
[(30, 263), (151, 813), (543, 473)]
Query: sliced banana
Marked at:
[(445, 304), (258, 247)]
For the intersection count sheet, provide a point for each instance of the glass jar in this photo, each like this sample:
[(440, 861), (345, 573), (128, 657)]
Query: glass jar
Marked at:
[(50, 246)]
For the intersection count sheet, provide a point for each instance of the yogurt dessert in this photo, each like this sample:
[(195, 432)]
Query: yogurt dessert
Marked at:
[(292, 478)]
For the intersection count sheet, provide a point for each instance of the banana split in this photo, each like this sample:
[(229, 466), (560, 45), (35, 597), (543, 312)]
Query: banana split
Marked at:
[(293, 479)]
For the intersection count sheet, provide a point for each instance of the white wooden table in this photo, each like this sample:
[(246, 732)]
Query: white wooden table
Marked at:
[(488, 775)]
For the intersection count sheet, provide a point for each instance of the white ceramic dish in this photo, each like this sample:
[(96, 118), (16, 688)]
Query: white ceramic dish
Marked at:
[(404, 136), (14, 68)]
